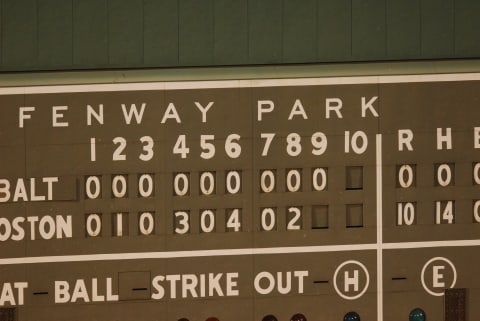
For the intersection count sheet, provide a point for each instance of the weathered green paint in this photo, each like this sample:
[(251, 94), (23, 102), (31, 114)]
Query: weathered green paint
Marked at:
[(195, 32), (231, 32), (265, 31), (437, 38), (368, 29), (467, 27), (300, 32), (335, 30), (125, 33), (403, 33), (55, 31), (19, 38), (110, 34), (90, 34), (160, 33)]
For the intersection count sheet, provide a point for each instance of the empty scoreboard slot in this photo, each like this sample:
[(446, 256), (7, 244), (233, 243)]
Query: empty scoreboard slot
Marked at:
[(320, 282), (8, 314), (139, 289), (319, 217), (354, 178), (354, 215), (455, 308), (134, 285), (40, 293)]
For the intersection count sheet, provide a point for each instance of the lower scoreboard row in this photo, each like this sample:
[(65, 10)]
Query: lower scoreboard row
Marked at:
[(310, 282)]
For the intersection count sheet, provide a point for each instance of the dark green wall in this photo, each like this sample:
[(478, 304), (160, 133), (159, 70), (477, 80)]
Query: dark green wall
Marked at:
[(97, 34)]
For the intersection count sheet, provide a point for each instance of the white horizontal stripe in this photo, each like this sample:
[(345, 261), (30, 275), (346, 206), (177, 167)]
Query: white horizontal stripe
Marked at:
[(234, 252), (238, 83), (185, 254), (418, 245)]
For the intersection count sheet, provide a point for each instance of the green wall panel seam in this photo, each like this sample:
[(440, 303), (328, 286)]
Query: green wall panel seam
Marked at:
[(454, 32), (316, 30), (282, 31), (72, 55), (143, 33), (351, 28), (37, 31), (249, 45), (108, 33), (385, 13), (420, 27), (178, 30), (1, 33)]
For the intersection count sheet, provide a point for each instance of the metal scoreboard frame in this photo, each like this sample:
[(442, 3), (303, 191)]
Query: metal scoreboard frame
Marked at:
[(289, 199)]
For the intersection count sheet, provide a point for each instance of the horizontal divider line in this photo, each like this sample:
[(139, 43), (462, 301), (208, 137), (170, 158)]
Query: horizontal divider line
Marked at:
[(185, 254), (235, 252), (415, 245), (250, 83)]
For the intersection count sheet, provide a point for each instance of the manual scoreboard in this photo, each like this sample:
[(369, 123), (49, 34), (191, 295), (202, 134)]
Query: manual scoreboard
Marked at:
[(289, 199)]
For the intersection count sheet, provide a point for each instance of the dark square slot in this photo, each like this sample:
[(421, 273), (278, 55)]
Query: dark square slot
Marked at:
[(354, 215), (8, 314), (455, 304), (354, 178), (134, 285), (320, 217)]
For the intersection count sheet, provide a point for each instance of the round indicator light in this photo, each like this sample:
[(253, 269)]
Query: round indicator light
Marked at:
[(269, 318), (298, 317), (351, 316), (417, 314)]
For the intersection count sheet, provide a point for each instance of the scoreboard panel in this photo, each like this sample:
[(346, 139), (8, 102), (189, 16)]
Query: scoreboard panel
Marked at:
[(284, 199)]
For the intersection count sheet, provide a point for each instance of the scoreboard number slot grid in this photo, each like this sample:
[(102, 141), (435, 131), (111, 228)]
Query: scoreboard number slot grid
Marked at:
[(267, 167)]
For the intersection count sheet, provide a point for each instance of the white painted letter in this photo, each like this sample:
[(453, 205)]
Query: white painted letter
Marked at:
[(405, 137), (300, 275), (5, 190), (50, 181), (441, 139), (334, 104), (61, 292), (437, 276), (98, 116), (171, 113), (261, 109), (56, 116), (23, 116), (20, 286), (133, 112), (269, 278), (476, 137), (204, 110), (160, 291), (369, 105), (297, 109), (351, 281), (232, 284)]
